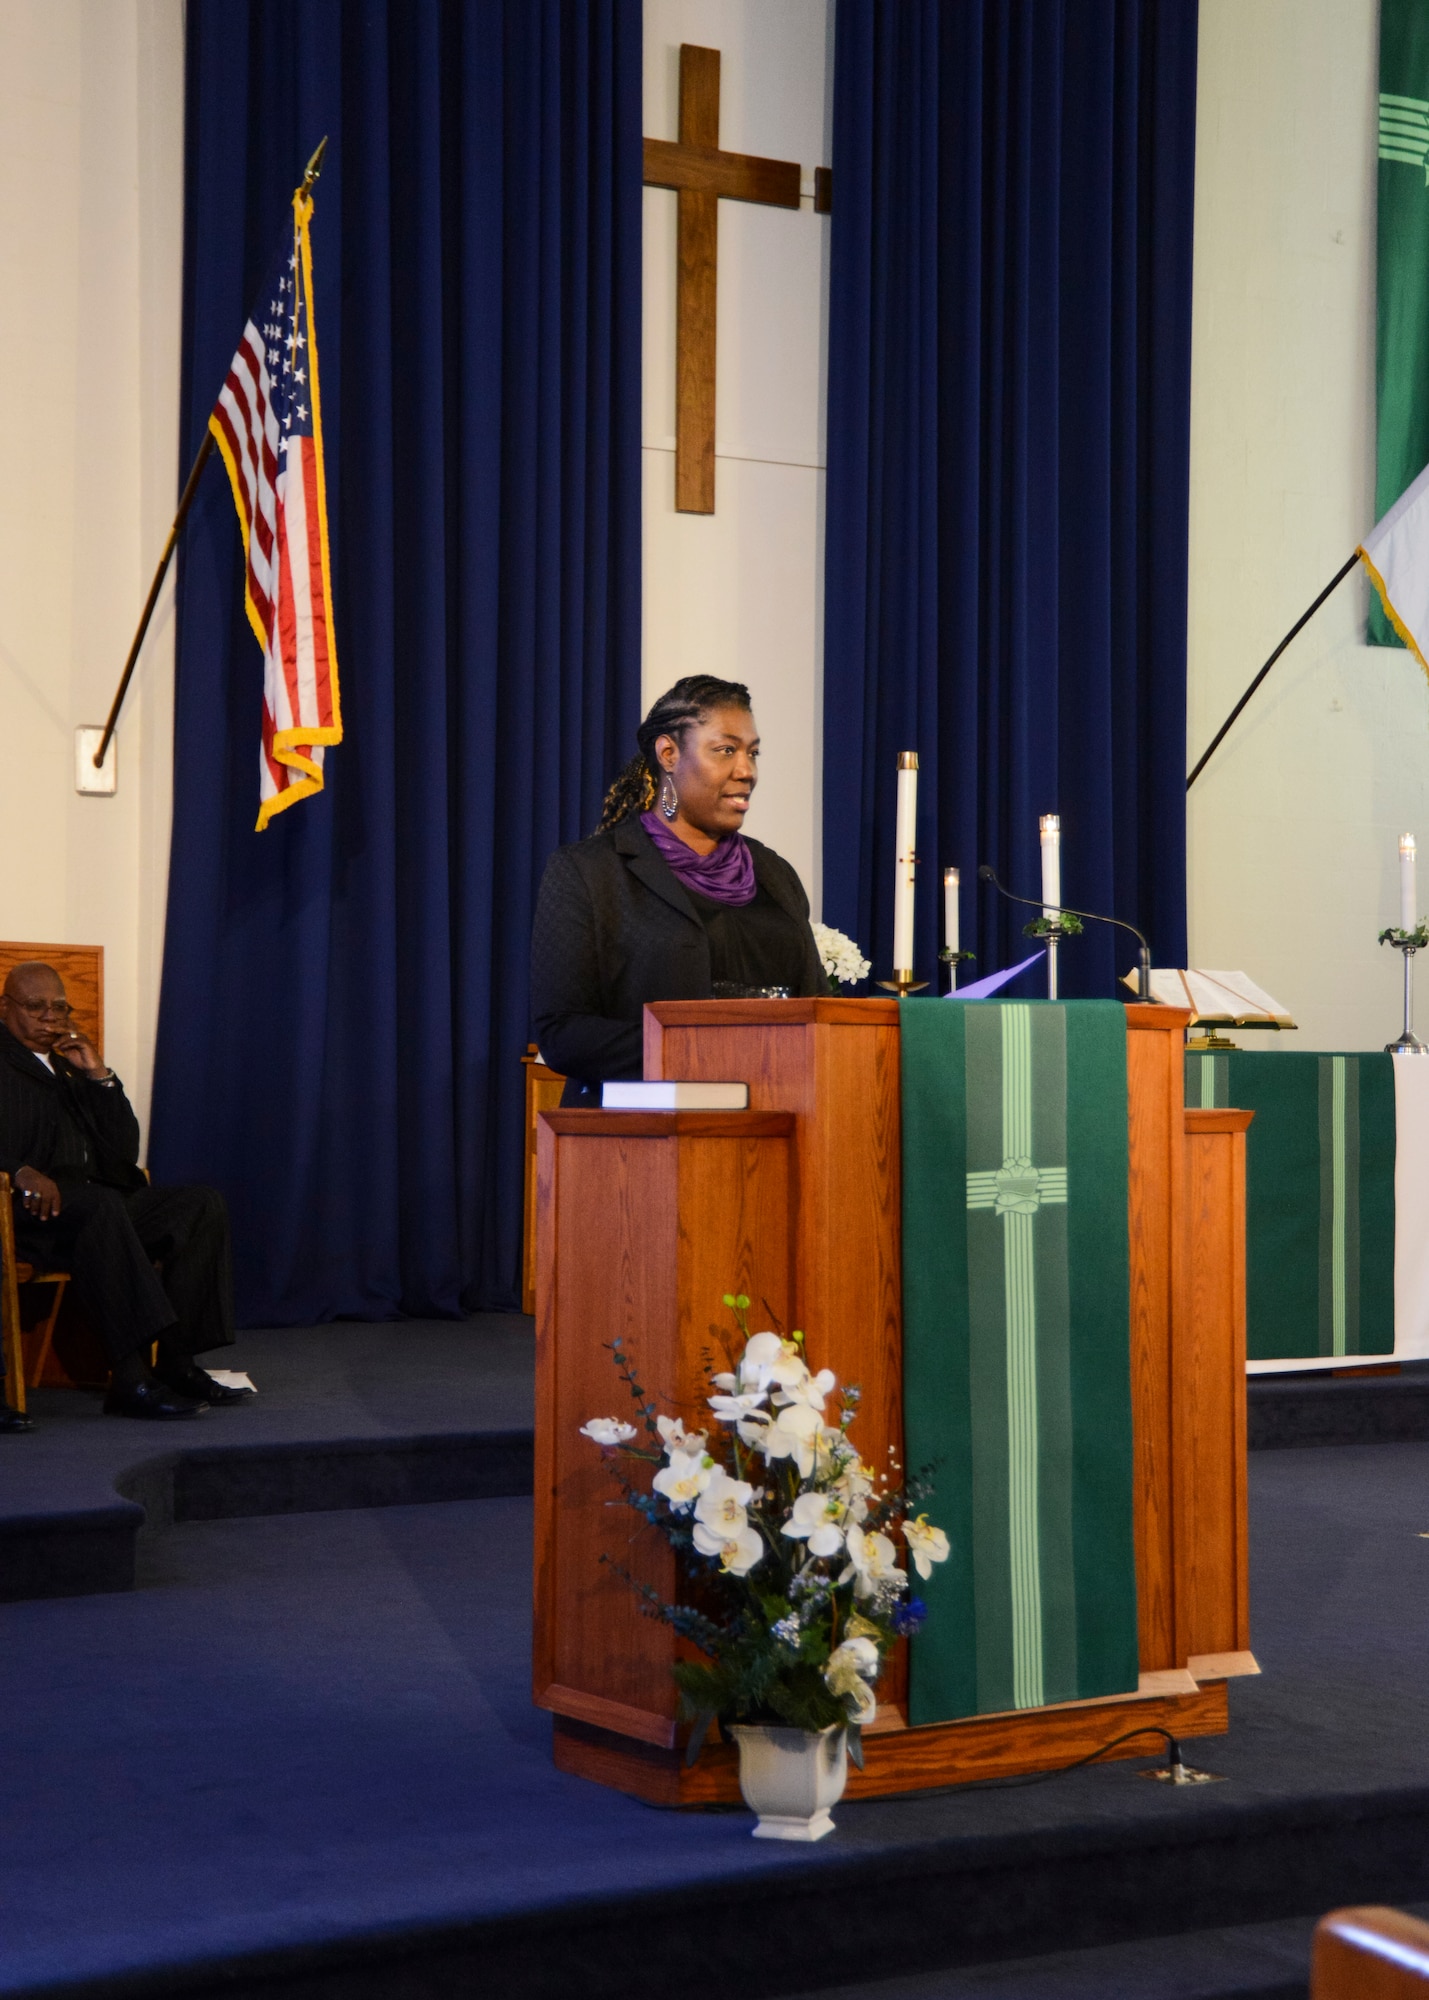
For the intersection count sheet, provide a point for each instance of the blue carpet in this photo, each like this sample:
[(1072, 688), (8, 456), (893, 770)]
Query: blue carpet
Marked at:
[(318, 1727), (345, 1416)]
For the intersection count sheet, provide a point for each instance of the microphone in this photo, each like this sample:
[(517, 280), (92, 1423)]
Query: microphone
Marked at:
[(1143, 977)]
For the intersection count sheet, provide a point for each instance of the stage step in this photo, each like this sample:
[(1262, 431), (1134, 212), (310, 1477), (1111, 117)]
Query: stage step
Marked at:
[(346, 1416), (1321, 1408), (1252, 1962)]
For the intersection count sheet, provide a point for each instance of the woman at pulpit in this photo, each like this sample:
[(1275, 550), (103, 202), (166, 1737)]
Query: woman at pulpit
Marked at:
[(668, 899)]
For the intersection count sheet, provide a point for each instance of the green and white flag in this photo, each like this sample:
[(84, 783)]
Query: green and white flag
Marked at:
[(1016, 1346), (1399, 571)]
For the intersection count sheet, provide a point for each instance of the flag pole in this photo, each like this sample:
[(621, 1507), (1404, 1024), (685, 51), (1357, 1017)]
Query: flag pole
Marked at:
[(310, 174), (185, 502), (1335, 581)]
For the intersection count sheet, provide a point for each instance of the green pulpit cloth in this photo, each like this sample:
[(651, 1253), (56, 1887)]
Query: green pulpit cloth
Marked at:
[(1319, 1197), (1016, 1350)]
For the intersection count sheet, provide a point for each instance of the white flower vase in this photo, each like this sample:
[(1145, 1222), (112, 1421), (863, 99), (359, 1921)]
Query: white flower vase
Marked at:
[(790, 1778)]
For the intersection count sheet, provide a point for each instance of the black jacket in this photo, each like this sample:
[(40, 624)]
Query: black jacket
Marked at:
[(64, 1125), (614, 929)]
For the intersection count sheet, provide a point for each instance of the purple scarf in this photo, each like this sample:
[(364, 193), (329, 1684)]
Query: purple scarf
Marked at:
[(725, 875)]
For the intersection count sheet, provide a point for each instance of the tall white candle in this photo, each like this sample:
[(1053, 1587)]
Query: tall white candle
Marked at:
[(950, 908), (905, 838), (1408, 889), (950, 921), (1050, 826)]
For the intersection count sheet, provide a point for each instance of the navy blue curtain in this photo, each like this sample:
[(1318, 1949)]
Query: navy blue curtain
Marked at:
[(345, 995), (1009, 392)]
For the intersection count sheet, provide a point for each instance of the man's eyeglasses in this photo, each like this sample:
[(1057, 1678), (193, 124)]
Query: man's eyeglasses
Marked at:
[(60, 1008)]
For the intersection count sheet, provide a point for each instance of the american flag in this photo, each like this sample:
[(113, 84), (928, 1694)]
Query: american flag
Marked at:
[(267, 423)]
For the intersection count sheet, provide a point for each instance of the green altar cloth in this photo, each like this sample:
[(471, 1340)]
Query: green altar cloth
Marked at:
[(1319, 1197), (1016, 1350)]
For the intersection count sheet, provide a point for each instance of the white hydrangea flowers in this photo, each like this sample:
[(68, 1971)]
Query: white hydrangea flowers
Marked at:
[(607, 1431), (851, 1671), (839, 955), (722, 1525), (926, 1545), (777, 1496), (776, 1402)]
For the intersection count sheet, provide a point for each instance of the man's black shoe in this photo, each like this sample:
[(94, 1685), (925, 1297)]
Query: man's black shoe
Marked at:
[(186, 1378), (14, 1420), (150, 1399)]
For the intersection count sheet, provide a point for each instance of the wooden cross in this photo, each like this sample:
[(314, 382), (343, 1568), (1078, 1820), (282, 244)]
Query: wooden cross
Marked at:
[(701, 176)]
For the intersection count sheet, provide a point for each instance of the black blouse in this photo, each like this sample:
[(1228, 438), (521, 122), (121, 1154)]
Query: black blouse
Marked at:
[(751, 944)]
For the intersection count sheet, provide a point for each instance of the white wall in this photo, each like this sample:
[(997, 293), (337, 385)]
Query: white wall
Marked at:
[(1293, 827), (91, 214), (739, 593)]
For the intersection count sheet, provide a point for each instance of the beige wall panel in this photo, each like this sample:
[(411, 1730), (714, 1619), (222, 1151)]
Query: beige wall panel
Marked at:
[(1293, 828), (740, 593), (91, 211)]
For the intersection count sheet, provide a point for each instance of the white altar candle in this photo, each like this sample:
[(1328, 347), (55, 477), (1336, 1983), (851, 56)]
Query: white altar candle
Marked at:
[(905, 840), (1408, 890), (1050, 826), (950, 921)]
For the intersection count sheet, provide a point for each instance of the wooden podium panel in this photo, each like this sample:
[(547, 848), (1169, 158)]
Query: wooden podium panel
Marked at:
[(647, 1220), (833, 1064), (830, 1069), (1212, 1560)]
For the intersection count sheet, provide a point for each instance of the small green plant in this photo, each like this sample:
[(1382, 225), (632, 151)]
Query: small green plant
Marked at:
[(1063, 925)]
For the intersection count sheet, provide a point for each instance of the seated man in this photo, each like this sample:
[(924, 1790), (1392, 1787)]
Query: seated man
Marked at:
[(69, 1141)]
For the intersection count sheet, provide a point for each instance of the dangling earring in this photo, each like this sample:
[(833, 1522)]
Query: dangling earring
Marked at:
[(669, 797)]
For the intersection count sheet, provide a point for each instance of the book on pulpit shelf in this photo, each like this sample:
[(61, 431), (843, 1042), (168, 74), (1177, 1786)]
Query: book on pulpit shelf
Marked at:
[(1217, 999), (674, 1096)]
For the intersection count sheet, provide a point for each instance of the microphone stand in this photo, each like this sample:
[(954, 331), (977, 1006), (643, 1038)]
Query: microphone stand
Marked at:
[(1143, 977)]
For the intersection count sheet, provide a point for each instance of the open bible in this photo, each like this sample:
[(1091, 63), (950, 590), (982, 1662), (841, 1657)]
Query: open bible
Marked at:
[(1216, 999)]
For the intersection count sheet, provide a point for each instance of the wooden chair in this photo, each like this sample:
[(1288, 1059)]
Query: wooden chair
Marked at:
[(543, 1093), (81, 967), (1370, 1954), (12, 1276)]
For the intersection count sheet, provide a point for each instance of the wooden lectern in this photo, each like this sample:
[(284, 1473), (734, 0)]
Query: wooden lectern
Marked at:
[(644, 1221)]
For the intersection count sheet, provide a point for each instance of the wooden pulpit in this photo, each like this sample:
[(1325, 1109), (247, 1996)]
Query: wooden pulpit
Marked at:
[(644, 1221)]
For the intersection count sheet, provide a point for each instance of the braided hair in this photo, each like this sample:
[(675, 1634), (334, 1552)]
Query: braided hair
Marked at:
[(688, 701)]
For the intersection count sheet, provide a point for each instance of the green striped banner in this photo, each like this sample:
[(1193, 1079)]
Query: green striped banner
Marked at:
[(1319, 1197), (1016, 1354), (1402, 234)]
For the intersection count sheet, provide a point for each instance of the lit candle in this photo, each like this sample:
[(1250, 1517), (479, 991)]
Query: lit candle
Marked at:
[(905, 840), (1050, 826), (1408, 892), (950, 921)]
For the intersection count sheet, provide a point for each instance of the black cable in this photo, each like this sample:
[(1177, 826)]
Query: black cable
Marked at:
[(1173, 1758)]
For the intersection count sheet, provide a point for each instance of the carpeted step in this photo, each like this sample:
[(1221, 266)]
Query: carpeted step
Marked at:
[(1320, 1408), (346, 1416), (1252, 1962)]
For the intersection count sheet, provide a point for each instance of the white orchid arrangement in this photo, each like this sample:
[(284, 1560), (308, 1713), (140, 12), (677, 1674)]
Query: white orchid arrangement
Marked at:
[(787, 1538), (840, 956)]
